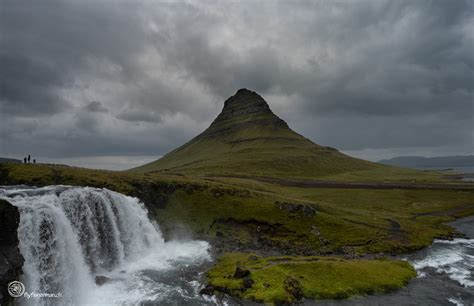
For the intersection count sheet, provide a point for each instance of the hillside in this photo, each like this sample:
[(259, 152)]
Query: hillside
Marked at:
[(435, 162), (247, 138), (4, 160)]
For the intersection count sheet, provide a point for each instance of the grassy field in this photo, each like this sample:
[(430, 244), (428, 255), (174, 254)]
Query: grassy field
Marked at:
[(243, 215)]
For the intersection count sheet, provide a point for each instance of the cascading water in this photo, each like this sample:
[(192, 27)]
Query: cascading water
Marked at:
[(69, 236)]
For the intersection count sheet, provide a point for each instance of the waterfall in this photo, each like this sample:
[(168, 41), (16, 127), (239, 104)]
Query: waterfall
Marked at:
[(70, 235)]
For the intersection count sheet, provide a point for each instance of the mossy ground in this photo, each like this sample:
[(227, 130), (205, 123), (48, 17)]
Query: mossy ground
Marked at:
[(241, 214), (285, 279)]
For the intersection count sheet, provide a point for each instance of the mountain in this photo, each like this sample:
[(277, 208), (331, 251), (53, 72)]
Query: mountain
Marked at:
[(247, 138), (9, 161), (435, 162)]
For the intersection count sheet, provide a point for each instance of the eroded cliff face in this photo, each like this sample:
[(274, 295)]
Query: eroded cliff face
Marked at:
[(11, 260)]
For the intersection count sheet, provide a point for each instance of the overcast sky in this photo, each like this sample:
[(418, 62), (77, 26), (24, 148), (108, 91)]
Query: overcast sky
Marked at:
[(113, 84)]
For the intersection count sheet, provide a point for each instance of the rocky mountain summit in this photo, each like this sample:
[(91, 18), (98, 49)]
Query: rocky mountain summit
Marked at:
[(246, 107)]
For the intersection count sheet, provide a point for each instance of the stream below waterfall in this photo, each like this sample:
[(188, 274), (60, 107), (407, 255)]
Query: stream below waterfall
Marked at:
[(94, 246)]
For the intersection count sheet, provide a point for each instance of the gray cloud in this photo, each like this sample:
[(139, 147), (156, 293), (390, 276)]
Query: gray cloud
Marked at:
[(366, 75), (139, 115), (95, 107)]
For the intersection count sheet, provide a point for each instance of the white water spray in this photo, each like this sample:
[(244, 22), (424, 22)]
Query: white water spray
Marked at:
[(70, 235)]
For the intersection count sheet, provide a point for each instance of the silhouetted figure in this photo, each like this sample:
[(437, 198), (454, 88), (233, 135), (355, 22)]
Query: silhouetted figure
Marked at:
[(24, 160), (29, 157), (34, 161)]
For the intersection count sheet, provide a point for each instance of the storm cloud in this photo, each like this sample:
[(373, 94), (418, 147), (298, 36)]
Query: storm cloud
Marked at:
[(85, 80)]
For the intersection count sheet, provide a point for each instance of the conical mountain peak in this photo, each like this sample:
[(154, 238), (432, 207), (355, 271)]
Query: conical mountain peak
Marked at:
[(247, 106), (245, 99), (247, 138)]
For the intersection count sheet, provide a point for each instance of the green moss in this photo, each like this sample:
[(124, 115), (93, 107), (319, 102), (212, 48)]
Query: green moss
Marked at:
[(285, 279)]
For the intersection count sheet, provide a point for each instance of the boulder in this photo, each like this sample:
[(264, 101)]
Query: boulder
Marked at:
[(248, 283), (100, 280), (241, 272), (208, 290)]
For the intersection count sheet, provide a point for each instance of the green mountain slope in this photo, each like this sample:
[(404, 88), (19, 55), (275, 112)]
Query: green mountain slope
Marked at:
[(247, 138)]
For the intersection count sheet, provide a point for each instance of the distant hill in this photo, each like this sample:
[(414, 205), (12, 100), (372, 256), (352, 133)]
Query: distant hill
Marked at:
[(247, 138), (438, 162), (9, 161)]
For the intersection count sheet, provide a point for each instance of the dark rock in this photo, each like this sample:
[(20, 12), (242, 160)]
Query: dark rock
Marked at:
[(241, 272), (11, 260), (248, 283), (219, 234), (208, 290), (153, 195), (100, 280)]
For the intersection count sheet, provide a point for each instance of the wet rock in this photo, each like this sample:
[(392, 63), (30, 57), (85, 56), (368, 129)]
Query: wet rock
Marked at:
[(11, 260), (241, 272), (100, 280), (208, 290), (154, 195)]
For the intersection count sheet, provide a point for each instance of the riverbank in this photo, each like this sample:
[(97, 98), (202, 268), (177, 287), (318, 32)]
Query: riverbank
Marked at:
[(445, 275)]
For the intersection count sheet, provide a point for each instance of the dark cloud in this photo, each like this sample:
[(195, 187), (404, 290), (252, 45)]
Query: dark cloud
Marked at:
[(95, 107), (365, 75)]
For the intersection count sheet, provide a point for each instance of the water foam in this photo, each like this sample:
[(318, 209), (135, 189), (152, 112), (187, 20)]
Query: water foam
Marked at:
[(454, 258), (70, 235)]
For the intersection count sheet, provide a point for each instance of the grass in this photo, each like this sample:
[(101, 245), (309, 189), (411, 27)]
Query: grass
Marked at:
[(242, 214), (285, 279)]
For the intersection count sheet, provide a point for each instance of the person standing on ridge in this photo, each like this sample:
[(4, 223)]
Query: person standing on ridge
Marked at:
[(34, 161), (24, 160), (29, 157)]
